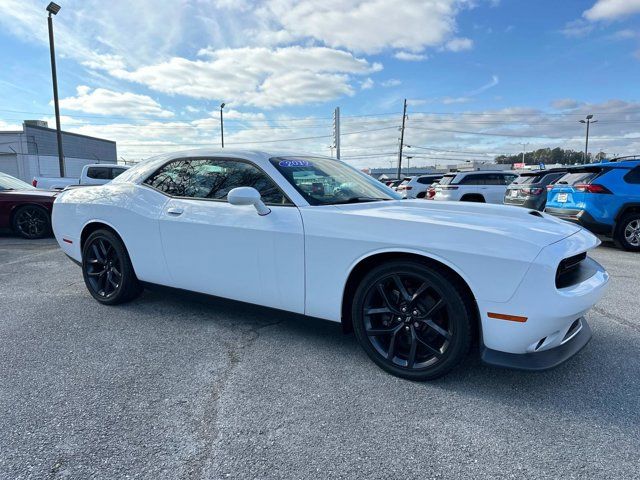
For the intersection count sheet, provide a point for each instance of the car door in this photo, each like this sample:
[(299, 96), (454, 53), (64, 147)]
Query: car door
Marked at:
[(228, 250)]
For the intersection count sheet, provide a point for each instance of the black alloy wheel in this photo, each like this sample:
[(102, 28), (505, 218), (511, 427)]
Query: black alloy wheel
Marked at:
[(412, 320), (32, 221), (107, 269)]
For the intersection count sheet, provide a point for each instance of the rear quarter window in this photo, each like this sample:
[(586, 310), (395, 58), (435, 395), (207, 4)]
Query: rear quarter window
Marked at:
[(447, 179), (633, 176)]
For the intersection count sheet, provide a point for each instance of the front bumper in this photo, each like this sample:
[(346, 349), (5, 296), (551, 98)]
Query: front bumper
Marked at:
[(544, 360), (547, 313)]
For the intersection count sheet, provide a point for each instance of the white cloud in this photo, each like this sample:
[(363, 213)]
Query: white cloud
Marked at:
[(565, 104), (367, 84), (410, 57), (392, 82), (612, 9), (107, 102), (577, 28), (459, 44), (364, 26), (490, 84), (256, 76)]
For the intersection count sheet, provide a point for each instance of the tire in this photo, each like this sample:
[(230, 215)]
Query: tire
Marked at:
[(32, 222), (107, 270), (416, 346), (627, 233), (473, 198), (421, 195)]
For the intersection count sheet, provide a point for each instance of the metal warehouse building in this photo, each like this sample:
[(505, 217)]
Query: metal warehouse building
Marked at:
[(33, 152)]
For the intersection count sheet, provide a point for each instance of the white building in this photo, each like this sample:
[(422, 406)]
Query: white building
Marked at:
[(33, 152)]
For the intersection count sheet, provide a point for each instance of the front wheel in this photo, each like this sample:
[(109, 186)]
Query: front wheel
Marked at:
[(627, 233), (107, 270), (412, 320)]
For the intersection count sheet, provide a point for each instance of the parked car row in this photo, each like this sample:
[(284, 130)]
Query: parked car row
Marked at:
[(604, 198)]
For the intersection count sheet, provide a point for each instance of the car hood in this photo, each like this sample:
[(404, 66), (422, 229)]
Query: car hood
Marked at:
[(31, 193), (528, 226)]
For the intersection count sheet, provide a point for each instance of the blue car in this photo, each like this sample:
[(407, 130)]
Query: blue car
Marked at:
[(602, 197)]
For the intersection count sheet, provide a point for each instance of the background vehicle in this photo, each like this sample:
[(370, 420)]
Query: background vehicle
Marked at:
[(24, 209), (408, 276), (431, 191), (97, 174), (604, 198), (392, 183), (416, 187), (477, 186), (529, 190)]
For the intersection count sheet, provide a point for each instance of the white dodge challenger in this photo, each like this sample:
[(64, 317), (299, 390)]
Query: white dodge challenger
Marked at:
[(418, 282)]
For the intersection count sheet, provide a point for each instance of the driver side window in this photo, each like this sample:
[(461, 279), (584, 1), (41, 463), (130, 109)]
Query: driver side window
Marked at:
[(210, 178)]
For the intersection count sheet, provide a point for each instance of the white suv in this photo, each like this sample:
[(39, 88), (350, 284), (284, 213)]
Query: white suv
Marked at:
[(478, 186), (416, 187)]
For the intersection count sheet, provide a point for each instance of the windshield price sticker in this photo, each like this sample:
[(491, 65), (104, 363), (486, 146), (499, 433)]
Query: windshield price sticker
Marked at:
[(294, 163)]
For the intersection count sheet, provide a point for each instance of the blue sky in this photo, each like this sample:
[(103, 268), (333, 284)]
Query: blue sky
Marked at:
[(151, 75)]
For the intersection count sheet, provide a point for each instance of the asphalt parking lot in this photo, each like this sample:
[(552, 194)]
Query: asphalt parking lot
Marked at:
[(180, 387)]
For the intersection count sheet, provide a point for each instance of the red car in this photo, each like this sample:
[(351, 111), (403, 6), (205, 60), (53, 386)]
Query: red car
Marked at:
[(24, 209)]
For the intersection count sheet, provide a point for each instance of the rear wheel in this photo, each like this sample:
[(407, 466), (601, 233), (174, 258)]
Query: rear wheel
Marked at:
[(412, 320), (32, 221), (627, 233), (107, 270)]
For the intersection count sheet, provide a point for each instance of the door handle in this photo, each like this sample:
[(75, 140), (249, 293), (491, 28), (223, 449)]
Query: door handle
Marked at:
[(175, 211)]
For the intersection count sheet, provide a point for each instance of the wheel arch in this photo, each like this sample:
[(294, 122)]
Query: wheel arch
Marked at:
[(93, 225), (632, 207), (360, 267), (476, 197)]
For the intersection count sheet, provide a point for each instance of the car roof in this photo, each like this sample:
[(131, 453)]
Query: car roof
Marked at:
[(479, 172), (627, 165), (535, 173), (615, 164)]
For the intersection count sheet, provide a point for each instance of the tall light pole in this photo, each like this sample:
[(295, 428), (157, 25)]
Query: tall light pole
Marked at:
[(404, 116), (588, 121), (53, 9), (221, 126), (408, 157), (524, 147)]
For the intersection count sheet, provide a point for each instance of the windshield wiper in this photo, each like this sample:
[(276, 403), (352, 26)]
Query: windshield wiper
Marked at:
[(359, 200)]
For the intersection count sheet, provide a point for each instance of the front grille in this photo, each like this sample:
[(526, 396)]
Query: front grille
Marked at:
[(567, 273)]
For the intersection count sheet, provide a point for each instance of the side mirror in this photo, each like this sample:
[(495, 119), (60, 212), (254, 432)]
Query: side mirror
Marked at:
[(248, 196)]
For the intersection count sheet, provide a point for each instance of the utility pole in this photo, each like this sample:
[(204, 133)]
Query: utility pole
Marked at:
[(336, 131), (524, 147), (53, 9), (404, 116), (221, 126), (586, 143)]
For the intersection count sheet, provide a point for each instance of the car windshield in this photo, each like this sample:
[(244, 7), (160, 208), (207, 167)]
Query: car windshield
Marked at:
[(406, 180), (323, 181), (8, 182)]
